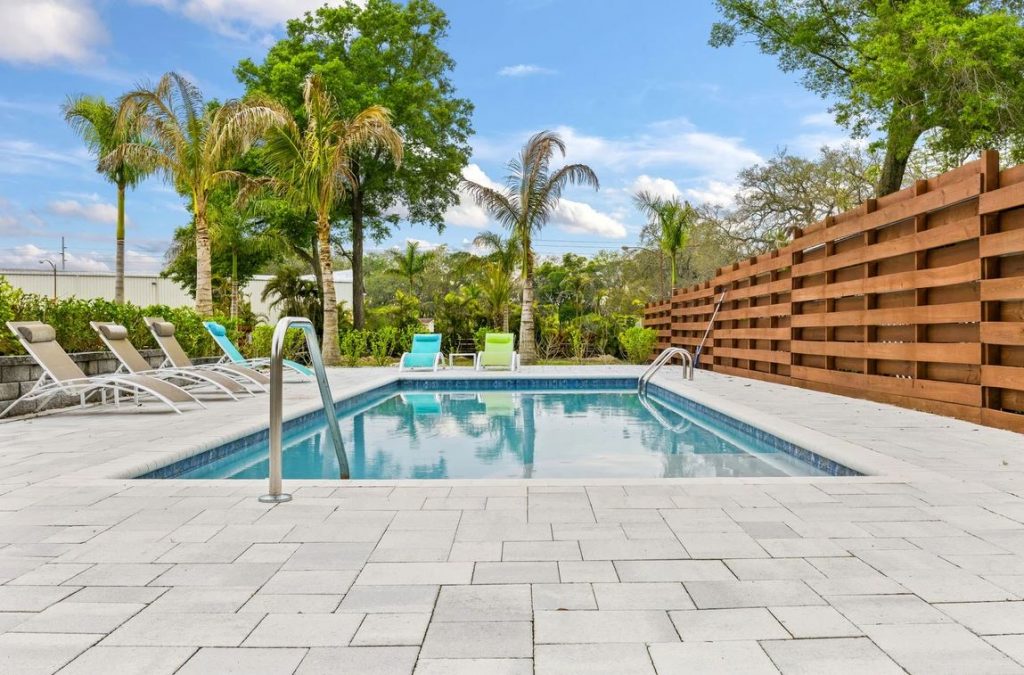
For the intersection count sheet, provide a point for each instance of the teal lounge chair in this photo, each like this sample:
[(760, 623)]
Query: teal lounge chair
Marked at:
[(422, 404), (426, 353), (232, 355), (499, 351)]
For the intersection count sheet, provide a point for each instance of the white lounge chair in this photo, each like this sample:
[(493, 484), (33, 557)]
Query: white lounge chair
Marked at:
[(61, 375), (115, 337), (163, 333)]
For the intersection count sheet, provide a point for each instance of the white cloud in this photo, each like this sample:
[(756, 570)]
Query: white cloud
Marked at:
[(820, 119), (580, 218), (467, 213), (95, 212), (240, 18), (137, 261), (524, 70), (715, 192), (675, 144), (27, 256), (18, 156), (423, 244), (49, 31), (659, 187)]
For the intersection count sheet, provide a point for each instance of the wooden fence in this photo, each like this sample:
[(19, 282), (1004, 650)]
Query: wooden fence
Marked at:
[(915, 299)]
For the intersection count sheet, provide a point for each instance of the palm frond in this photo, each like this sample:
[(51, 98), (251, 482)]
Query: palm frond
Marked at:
[(497, 204)]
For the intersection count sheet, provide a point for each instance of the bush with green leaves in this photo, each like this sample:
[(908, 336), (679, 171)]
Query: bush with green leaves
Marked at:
[(353, 347), (70, 319), (638, 343), (579, 340), (261, 338), (382, 345)]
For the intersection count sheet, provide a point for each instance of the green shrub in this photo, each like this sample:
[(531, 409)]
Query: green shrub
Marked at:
[(578, 341), (353, 346), (382, 344), (70, 319), (261, 338), (638, 343)]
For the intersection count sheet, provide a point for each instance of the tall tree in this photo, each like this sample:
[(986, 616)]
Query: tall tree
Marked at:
[(196, 146), (410, 263), (311, 166), (379, 53), (96, 121), (672, 221), (499, 275), (525, 205), (903, 67)]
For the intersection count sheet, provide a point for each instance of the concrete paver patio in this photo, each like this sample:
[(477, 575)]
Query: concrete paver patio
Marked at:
[(917, 568)]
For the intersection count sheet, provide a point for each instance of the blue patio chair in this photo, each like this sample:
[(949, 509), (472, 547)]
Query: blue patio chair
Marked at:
[(425, 353), (232, 355)]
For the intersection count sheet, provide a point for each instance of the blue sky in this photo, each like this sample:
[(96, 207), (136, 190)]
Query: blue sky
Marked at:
[(631, 85)]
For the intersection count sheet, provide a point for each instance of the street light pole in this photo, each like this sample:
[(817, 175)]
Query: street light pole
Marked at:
[(54, 266)]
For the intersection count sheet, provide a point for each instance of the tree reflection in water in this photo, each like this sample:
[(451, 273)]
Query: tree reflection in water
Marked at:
[(519, 434)]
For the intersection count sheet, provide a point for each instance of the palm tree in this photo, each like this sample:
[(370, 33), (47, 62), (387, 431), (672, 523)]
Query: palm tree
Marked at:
[(295, 295), (96, 121), (410, 263), (504, 251), (195, 145), (310, 166), (525, 205), (499, 274), (495, 294), (673, 222)]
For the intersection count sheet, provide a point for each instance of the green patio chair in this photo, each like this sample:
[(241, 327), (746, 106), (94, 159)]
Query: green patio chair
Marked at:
[(499, 351), (425, 353)]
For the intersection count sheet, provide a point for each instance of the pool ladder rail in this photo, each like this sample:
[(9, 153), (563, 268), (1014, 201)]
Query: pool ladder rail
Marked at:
[(664, 357), (276, 495)]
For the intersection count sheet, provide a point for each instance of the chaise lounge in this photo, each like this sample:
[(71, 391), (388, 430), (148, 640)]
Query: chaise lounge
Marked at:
[(425, 353), (115, 338), (232, 355), (61, 375), (163, 333), (499, 352)]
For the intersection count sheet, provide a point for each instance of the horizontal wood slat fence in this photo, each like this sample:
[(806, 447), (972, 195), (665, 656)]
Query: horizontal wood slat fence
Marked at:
[(914, 299)]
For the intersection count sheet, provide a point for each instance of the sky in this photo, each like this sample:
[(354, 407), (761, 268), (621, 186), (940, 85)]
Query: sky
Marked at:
[(631, 85)]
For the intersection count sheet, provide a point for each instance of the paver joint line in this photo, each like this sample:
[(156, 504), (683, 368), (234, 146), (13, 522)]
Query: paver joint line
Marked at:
[(919, 569)]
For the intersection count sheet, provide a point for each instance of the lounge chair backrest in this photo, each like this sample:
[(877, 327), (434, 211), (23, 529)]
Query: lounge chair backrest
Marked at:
[(40, 340), (499, 342), (220, 336), (426, 343), (163, 332), (115, 337)]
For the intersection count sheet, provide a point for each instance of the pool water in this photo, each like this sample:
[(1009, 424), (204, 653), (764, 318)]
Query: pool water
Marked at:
[(517, 434)]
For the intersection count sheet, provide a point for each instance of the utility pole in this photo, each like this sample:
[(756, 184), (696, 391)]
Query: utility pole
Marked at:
[(63, 257)]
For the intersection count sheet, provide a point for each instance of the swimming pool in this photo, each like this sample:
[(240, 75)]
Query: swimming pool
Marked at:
[(516, 429)]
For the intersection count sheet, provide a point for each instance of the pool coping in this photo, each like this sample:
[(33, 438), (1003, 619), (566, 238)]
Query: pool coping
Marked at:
[(869, 463)]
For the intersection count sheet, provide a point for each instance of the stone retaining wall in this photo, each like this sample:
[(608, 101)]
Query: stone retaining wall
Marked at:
[(19, 373)]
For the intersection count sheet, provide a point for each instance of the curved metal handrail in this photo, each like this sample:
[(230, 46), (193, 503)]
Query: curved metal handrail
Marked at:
[(276, 495), (663, 358)]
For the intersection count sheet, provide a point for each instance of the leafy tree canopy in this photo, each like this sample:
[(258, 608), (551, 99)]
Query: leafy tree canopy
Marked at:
[(902, 67), (384, 54)]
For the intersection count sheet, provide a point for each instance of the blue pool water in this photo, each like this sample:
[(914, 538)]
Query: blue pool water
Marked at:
[(607, 433)]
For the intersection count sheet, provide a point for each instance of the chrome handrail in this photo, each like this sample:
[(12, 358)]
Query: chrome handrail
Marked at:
[(663, 358), (276, 495)]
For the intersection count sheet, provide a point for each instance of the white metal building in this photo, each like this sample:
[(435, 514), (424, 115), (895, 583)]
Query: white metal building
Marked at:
[(146, 289)]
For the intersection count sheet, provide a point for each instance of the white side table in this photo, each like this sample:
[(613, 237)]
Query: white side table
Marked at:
[(469, 355)]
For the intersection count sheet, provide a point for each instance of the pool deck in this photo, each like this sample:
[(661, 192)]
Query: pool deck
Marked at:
[(916, 568)]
